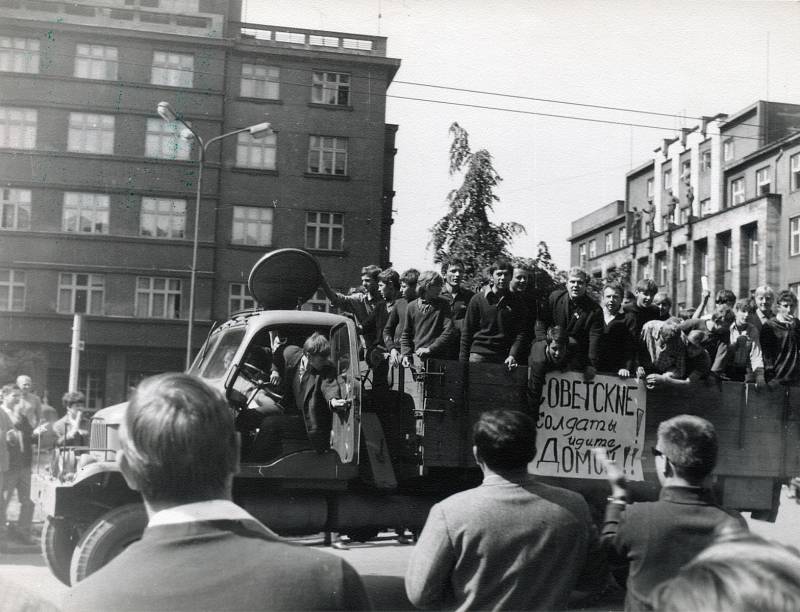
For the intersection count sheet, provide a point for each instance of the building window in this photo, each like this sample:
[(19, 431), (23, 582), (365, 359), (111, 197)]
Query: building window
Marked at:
[(667, 184), (623, 237), (163, 218), (176, 6), (17, 128), (795, 288), (763, 180), (81, 293), (260, 82), (705, 161), (257, 153), (683, 216), (327, 155), (89, 133), (324, 231), (330, 88), (239, 298), (705, 207), (650, 189), (794, 179), (737, 191), (85, 213), (158, 298), (727, 256), (794, 236), (752, 244), (172, 69), (252, 225), (96, 62), (727, 150), (609, 242), (582, 255), (164, 140), (682, 265), (19, 54), (592, 249), (12, 290), (686, 171), (318, 303), (15, 209), (663, 277)]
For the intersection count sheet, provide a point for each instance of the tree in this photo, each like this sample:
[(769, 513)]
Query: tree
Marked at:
[(465, 232)]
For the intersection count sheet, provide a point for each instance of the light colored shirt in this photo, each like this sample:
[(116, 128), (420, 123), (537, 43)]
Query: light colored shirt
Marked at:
[(209, 510)]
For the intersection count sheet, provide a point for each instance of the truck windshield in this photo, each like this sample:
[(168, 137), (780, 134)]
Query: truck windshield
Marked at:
[(218, 354)]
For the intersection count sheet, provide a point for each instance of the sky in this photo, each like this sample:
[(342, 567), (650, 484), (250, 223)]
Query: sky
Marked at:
[(681, 59)]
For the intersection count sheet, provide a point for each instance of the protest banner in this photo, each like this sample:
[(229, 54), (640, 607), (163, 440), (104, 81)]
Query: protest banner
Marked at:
[(576, 416)]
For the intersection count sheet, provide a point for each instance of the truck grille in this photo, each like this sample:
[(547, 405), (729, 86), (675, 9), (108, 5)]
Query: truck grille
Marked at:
[(97, 438)]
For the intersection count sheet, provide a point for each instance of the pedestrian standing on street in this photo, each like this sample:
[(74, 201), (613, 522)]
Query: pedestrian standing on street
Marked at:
[(19, 440), (657, 538), (200, 551), (513, 543), (31, 404), (6, 425)]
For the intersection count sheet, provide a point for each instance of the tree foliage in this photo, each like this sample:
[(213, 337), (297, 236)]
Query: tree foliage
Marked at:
[(466, 232)]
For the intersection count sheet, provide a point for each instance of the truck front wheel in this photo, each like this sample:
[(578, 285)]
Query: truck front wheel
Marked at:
[(106, 538), (59, 538)]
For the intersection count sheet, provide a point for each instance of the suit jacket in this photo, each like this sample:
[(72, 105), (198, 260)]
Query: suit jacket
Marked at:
[(582, 321), (507, 544), (218, 565), (658, 538), (316, 389)]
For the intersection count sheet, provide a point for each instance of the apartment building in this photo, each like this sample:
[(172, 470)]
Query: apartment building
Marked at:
[(98, 191), (721, 200)]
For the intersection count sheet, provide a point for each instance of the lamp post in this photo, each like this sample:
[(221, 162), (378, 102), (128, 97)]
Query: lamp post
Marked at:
[(258, 130)]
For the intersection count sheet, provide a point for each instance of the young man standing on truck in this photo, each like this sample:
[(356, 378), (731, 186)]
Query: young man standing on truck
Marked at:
[(780, 342), (581, 318), (658, 538), (512, 543), (179, 448), (495, 327)]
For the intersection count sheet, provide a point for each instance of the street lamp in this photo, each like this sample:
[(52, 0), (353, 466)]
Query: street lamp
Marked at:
[(259, 130)]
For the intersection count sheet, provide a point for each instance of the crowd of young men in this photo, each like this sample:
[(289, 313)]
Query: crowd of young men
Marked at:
[(415, 316)]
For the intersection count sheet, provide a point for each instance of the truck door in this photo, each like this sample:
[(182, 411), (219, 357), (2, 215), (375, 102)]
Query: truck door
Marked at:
[(346, 428)]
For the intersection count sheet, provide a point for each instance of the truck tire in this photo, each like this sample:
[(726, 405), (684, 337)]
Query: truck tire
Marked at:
[(106, 538), (362, 534), (58, 543)]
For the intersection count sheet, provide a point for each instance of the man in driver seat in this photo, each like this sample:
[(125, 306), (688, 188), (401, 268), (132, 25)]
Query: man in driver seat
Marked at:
[(312, 394)]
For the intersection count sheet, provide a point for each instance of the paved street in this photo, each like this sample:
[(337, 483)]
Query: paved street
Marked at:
[(382, 563)]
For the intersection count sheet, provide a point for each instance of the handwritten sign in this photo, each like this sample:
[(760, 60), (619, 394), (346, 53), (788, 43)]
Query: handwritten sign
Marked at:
[(576, 416)]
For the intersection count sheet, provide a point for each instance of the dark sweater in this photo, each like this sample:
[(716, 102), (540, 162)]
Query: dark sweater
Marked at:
[(393, 329), (427, 325), (617, 349), (581, 319), (495, 326), (780, 343)]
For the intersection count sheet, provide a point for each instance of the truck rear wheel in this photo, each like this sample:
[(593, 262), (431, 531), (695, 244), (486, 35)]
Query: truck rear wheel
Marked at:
[(106, 538), (58, 543)]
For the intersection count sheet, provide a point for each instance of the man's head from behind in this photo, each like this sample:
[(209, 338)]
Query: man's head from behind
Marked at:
[(178, 442), (504, 440), (689, 444)]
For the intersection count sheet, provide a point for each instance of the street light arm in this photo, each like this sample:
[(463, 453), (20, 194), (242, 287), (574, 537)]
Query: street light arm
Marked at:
[(226, 134)]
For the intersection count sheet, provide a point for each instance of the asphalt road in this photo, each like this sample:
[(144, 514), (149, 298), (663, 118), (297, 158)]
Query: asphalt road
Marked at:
[(382, 563)]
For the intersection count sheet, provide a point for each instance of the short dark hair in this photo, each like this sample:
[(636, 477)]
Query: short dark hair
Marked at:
[(646, 285), (428, 278), (690, 443), (390, 277), (616, 287), (371, 271), (410, 277), (725, 296), (317, 344), (558, 334), (787, 296), (501, 264), (453, 263), (664, 297), (505, 439), (178, 440), (72, 397)]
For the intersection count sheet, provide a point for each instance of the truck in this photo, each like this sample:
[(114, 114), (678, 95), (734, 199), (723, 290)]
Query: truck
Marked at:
[(397, 450)]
